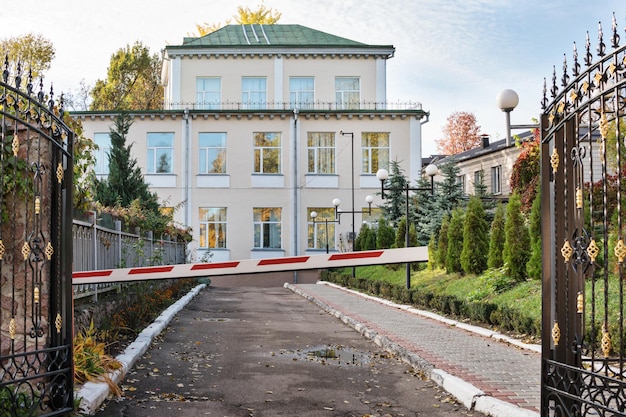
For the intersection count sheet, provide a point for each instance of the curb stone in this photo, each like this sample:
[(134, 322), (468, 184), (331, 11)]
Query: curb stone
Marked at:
[(93, 394), (467, 394)]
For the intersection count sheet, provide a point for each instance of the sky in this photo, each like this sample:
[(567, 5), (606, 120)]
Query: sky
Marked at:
[(451, 55)]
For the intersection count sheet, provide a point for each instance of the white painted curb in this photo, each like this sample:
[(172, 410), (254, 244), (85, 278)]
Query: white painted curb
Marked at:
[(93, 394)]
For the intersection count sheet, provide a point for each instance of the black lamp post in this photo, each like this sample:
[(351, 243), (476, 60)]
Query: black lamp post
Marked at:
[(338, 212), (382, 174)]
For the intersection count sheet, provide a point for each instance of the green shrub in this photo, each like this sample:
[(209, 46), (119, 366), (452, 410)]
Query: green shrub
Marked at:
[(475, 238)]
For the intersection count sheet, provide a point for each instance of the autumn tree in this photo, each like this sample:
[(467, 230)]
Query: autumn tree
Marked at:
[(33, 51), (244, 16), (526, 170), (461, 133), (133, 81)]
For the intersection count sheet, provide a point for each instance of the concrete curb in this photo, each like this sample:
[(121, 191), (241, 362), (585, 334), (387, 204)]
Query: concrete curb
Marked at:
[(467, 394), (93, 394)]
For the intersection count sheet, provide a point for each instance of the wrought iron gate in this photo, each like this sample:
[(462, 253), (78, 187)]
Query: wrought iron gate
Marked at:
[(583, 193), (36, 374)]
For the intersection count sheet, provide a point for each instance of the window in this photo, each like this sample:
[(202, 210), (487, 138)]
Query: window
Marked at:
[(347, 92), (301, 92), (213, 228), (267, 153), (103, 140), (375, 148), (160, 153), (321, 234), (496, 183), (208, 93), (253, 93), (266, 228), (321, 152), (480, 188), (460, 179), (212, 153)]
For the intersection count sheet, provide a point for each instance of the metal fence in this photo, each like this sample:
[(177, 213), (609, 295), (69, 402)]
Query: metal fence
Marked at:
[(97, 247)]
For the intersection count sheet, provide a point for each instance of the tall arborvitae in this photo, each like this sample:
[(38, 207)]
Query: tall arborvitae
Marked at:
[(385, 235), (533, 267), (442, 242), (125, 181), (496, 239), (517, 242), (455, 242), (432, 252), (475, 238)]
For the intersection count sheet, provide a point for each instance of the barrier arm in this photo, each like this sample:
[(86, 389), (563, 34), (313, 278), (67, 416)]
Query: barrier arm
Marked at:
[(254, 266)]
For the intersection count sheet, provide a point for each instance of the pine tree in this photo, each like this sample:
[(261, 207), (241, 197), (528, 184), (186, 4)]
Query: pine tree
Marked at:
[(480, 190), (394, 204), (455, 242), (475, 238), (517, 241), (496, 238), (432, 208), (125, 181), (442, 242), (533, 267)]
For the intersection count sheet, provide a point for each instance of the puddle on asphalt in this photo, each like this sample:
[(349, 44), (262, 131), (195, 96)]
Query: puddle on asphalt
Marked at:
[(217, 319), (333, 355)]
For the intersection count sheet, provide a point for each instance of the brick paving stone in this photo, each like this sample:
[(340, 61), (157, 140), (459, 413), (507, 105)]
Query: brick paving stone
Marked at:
[(501, 370)]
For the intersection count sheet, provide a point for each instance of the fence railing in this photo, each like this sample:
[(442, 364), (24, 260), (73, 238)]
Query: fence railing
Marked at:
[(97, 247)]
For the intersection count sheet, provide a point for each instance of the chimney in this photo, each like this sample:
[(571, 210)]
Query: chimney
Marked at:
[(485, 139)]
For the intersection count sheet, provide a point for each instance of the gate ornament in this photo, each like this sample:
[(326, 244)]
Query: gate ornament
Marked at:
[(554, 160), (620, 251), (593, 250), (567, 251), (556, 334)]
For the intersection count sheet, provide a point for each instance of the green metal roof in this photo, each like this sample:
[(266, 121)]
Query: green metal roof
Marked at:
[(271, 36)]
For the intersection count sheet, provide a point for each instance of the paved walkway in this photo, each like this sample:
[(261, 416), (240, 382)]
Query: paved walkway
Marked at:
[(487, 371)]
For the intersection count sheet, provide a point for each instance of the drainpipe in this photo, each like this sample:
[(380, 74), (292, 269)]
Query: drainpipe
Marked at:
[(296, 191), (187, 180)]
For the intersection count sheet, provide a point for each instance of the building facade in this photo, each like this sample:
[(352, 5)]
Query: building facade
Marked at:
[(263, 125)]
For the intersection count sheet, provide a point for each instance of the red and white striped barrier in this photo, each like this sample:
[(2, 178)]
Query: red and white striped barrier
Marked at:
[(254, 266)]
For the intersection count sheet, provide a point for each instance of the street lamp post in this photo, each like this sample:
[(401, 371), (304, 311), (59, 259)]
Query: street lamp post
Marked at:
[(382, 174), (507, 100), (338, 212)]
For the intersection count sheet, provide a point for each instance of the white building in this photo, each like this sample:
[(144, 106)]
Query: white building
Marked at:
[(250, 139)]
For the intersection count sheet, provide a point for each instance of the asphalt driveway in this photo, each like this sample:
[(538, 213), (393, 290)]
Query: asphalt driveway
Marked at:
[(269, 352)]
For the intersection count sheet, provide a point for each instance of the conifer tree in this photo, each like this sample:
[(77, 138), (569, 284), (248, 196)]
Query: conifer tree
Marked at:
[(516, 240), (455, 242), (385, 235), (401, 234), (432, 252), (496, 238), (125, 181), (475, 238), (442, 242), (394, 204), (533, 267)]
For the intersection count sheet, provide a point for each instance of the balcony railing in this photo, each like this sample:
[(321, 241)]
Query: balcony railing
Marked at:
[(301, 106)]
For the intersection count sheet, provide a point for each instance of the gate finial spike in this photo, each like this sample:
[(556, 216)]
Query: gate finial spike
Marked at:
[(576, 67), (554, 90), (565, 78), (615, 37), (5, 73), (588, 56), (601, 45), (544, 100)]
